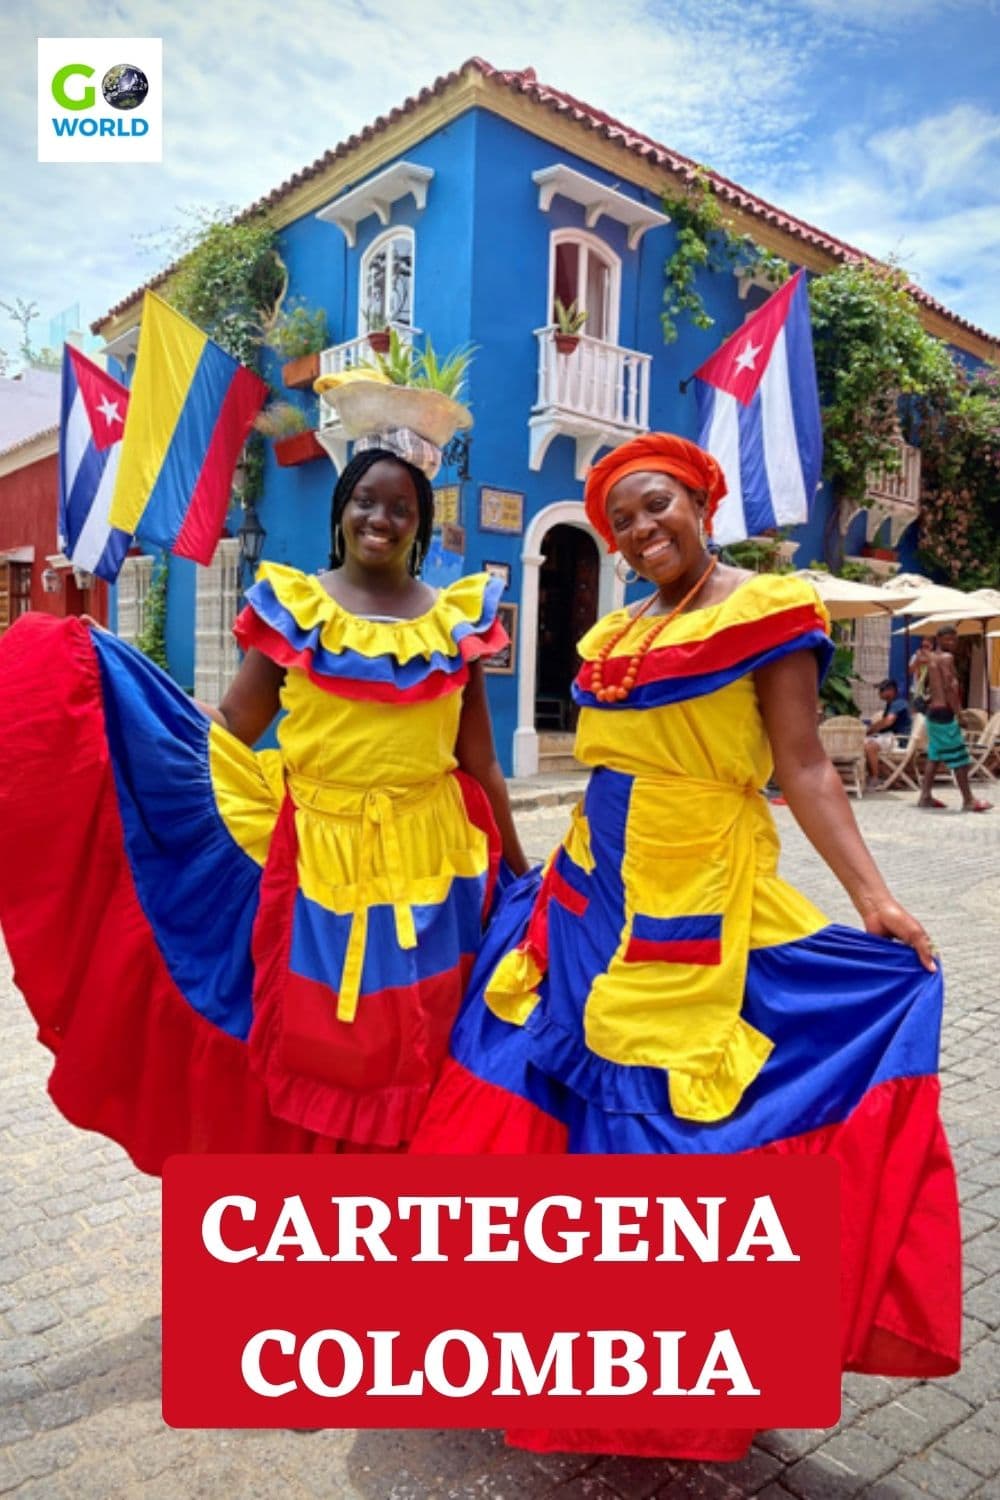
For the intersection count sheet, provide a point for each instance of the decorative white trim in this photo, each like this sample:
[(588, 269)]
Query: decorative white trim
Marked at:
[(29, 451), (402, 231), (610, 595), (18, 554), (599, 201), (335, 444), (122, 345), (598, 396), (590, 244), (376, 196), (747, 279)]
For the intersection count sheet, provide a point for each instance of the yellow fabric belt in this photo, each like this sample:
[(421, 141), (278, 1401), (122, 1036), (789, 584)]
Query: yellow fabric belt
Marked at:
[(374, 808)]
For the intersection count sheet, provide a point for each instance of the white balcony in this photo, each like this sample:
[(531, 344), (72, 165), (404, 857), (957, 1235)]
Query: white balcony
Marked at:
[(891, 494), (598, 396), (334, 361)]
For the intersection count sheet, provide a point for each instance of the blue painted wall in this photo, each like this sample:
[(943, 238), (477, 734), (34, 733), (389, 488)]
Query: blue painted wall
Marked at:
[(482, 276)]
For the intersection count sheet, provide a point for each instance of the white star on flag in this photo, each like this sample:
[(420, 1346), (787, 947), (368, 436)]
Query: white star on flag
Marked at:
[(747, 355), (108, 410)]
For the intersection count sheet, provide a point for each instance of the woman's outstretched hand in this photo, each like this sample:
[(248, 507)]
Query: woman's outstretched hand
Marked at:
[(886, 918)]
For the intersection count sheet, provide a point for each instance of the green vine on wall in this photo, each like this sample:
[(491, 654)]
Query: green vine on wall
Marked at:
[(706, 241), (152, 638), (231, 282), (871, 350)]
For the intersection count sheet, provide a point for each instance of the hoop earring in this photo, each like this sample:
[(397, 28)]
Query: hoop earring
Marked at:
[(629, 575), (415, 561), (337, 546)]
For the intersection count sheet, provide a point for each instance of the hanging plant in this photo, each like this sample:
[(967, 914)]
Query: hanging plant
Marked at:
[(706, 241), (152, 638), (230, 281), (959, 528), (871, 350)]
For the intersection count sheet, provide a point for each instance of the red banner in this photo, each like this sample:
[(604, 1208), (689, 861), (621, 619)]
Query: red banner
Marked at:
[(389, 1291)]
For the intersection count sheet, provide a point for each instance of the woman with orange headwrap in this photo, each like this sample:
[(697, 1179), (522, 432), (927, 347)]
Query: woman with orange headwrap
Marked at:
[(661, 989)]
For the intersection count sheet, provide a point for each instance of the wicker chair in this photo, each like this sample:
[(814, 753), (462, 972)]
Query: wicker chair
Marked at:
[(843, 739), (972, 721), (903, 759), (985, 751)]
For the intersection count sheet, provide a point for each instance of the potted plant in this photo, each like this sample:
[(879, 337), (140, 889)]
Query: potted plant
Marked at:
[(569, 321), (298, 335), (294, 439), (378, 331), (446, 375)]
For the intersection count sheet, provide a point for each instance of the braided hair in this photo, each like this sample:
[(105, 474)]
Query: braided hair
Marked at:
[(344, 489)]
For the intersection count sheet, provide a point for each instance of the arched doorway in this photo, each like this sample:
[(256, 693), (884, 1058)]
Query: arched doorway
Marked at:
[(562, 516), (567, 608)]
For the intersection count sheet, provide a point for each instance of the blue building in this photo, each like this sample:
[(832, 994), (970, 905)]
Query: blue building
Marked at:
[(463, 215)]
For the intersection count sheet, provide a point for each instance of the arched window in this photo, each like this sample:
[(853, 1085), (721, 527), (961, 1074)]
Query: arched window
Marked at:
[(387, 281), (585, 271)]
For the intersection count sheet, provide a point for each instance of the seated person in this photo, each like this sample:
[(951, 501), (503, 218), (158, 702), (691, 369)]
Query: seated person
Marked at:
[(883, 732)]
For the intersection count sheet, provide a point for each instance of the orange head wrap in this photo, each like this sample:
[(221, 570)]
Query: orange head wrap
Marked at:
[(656, 452)]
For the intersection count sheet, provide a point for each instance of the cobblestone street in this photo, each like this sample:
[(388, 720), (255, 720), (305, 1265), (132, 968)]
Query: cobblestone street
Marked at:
[(79, 1281)]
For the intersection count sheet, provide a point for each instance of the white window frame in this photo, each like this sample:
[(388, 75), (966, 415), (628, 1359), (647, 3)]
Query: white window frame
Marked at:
[(134, 581), (216, 605), (589, 244), (384, 240)]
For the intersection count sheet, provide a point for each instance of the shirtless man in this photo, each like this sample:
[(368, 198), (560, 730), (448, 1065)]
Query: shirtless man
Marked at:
[(945, 744)]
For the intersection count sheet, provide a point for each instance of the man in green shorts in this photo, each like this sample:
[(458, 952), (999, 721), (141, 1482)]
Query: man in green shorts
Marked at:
[(945, 743)]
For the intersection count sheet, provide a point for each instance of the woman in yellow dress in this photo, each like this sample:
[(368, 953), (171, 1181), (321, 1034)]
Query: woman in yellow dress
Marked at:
[(229, 950), (661, 989)]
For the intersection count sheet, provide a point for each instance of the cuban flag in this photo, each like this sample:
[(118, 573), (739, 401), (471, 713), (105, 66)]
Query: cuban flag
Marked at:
[(758, 408), (91, 426)]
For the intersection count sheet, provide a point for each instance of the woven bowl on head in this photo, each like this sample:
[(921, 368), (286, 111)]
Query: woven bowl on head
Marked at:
[(369, 406)]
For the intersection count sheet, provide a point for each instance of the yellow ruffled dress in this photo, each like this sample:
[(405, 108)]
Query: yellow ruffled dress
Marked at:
[(232, 950)]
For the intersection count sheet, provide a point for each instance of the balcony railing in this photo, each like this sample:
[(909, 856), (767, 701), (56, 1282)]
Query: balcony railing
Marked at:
[(600, 381), (897, 487), (347, 356)]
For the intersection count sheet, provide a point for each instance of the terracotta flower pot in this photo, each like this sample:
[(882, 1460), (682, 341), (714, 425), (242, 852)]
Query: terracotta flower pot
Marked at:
[(300, 448), (379, 340), (886, 554), (299, 374), (566, 342)]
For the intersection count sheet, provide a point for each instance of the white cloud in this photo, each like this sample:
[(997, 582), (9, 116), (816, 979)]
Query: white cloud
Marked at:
[(948, 153), (256, 90)]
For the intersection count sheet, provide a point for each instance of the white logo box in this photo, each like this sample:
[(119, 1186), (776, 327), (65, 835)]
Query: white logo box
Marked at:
[(99, 132)]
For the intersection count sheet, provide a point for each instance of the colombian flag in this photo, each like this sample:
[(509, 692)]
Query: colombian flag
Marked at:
[(190, 410)]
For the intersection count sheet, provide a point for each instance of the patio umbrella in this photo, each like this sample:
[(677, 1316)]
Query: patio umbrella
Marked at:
[(847, 600), (937, 600)]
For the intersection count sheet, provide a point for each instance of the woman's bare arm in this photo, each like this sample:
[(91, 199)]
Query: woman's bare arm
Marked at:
[(252, 698), (786, 690), (475, 753)]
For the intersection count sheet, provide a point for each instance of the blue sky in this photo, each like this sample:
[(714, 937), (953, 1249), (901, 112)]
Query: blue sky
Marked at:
[(878, 120)]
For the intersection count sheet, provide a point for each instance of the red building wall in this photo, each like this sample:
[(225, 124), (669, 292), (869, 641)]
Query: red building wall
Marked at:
[(29, 501)]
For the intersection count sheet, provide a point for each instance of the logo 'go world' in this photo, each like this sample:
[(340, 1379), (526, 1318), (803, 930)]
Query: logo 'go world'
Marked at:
[(93, 106)]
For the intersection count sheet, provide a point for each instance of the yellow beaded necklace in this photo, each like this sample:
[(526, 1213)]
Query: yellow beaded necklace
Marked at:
[(620, 693)]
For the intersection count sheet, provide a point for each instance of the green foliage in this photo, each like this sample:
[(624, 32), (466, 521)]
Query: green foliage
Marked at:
[(281, 419), (759, 554), (837, 692), (446, 375), (959, 531), (152, 638), (297, 331), (230, 281), (855, 572), (399, 365), (570, 319), (871, 349), (423, 369), (706, 242)]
